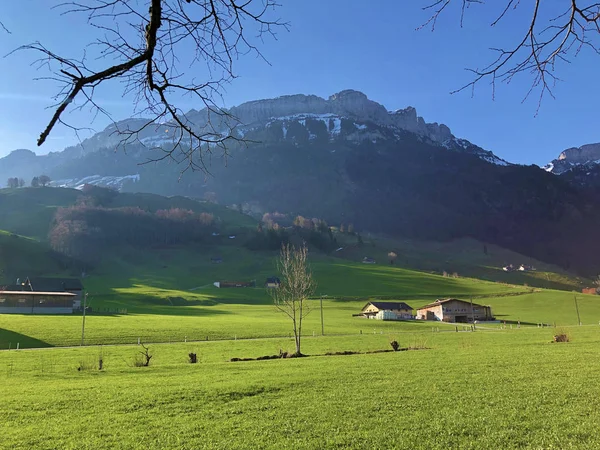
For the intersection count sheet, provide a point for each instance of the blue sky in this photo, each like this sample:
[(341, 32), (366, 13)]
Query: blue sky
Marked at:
[(371, 46)]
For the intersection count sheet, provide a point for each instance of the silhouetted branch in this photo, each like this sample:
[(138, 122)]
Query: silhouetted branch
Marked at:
[(542, 45), (151, 57)]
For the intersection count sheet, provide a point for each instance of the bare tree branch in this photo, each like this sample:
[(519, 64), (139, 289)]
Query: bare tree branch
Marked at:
[(545, 43), (153, 47)]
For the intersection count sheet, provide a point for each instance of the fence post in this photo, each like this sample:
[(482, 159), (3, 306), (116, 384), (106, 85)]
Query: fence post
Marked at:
[(17, 345)]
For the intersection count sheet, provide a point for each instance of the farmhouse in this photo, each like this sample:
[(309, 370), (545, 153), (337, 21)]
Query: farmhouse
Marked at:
[(368, 260), (387, 311), (234, 284), (454, 310), (272, 282)]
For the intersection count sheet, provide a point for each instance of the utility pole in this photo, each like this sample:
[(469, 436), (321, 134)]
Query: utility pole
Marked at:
[(83, 321), (472, 314), (577, 309), (322, 324)]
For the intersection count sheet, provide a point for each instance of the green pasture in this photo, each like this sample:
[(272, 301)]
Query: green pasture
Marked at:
[(482, 390), (168, 296)]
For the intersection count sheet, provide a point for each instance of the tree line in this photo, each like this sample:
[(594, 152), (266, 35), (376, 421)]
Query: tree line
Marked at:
[(16, 182), (277, 229), (86, 232)]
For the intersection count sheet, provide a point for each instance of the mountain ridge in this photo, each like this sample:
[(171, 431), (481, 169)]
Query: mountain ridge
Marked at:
[(347, 159)]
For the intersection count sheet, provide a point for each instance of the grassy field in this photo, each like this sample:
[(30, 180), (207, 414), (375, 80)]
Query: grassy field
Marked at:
[(503, 386), (166, 301), (488, 389), (168, 295)]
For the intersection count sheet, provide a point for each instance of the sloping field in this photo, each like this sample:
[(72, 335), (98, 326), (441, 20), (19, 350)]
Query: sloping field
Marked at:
[(170, 298)]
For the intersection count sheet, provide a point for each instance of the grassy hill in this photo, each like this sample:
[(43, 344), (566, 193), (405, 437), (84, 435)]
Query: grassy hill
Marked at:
[(164, 293), (22, 256), (169, 297), (29, 211)]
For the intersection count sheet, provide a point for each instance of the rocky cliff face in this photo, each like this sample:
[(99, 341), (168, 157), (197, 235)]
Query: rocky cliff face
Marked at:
[(348, 103), (580, 155), (578, 158)]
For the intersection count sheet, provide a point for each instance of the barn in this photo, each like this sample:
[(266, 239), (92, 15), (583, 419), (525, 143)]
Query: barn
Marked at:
[(36, 302), (454, 310)]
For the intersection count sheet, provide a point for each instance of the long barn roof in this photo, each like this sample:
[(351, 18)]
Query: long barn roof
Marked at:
[(64, 294), (441, 301)]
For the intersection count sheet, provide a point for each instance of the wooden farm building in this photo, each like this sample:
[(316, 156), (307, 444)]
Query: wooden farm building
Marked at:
[(42, 296), (36, 302), (454, 310), (387, 311)]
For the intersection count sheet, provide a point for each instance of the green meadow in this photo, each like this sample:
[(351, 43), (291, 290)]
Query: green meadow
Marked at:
[(169, 297), (504, 385), (474, 390)]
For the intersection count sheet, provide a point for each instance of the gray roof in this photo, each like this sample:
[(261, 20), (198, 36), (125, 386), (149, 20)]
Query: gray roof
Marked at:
[(441, 301), (389, 305)]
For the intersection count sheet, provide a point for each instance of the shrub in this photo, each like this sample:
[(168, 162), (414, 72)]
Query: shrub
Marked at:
[(86, 364), (395, 345), (562, 337)]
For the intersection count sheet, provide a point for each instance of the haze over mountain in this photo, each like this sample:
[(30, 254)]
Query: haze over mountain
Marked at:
[(347, 159)]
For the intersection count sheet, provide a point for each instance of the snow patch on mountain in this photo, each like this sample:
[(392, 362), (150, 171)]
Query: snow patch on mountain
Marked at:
[(494, 160), (301, 118), (462, 145), (114, 182), (158, 141)]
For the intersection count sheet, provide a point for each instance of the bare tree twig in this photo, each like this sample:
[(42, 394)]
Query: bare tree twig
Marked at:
[(146, 46), (543, 45)]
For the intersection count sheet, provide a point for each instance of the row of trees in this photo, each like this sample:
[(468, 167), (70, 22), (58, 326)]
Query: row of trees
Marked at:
[(86, 232), (16, 182)]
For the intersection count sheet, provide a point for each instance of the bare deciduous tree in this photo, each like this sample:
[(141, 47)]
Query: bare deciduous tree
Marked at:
[(297, 284), (556, 32), (161, 51), (392, 257)]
